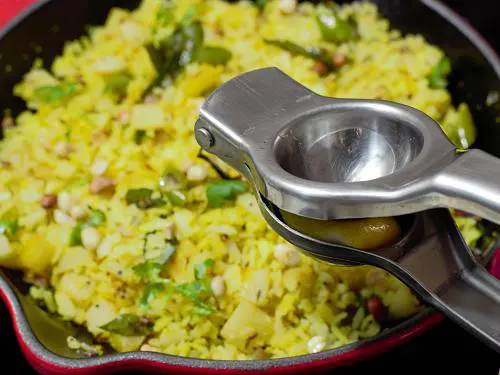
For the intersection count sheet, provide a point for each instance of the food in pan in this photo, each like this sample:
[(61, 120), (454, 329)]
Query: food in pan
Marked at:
[(122, 225)]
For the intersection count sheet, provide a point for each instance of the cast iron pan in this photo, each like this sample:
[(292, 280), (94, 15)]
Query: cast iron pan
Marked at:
[(41, 31)]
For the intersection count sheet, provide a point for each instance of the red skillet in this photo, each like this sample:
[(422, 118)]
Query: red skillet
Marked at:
[(46, 23)]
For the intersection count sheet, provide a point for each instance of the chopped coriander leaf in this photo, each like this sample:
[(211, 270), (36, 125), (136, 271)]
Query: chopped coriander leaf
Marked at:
[(9, 227), (143, 198), (139, 136), (149, 270), (437, 78), (192, 290), (222, 191), (183, 47), (172, 179), (128, 325), (150, 292), (96, 218), (118, 83), (202, 308), (200, 270), (50, 94), (75, 237)]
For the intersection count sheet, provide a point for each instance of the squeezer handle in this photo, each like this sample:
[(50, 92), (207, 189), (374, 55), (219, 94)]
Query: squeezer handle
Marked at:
[(471, 183), (445, 273)]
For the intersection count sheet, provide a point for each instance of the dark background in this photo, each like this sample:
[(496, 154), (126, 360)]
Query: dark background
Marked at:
[(445, 347)]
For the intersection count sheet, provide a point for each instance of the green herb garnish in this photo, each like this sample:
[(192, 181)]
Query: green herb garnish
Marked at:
[(118, 84), (96, 218), (143, 199), (183, 47), (335, 29), (172, 179), (149, 270), (202, 308), (149, 293), (50, 94), (437, 78), (222, 191), (139, 136), (75, 237), (176, 198), (128, 325), (318, 54), (198, 289), (213, 55), (9, 227), (165, 15)]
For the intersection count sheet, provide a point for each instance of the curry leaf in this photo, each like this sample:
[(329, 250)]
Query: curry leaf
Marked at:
[(128, 325), (50, 94), (437, 78), (213, 55), (314, 53), (9, 227), (335, 29), (202, 308), (221, 191)]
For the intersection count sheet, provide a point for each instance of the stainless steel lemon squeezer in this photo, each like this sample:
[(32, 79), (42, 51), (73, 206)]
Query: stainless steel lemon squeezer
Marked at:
[(326, 159)]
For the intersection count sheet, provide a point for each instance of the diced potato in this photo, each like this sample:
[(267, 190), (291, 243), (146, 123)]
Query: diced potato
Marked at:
[(8, 255), (401, 303), (99, 314), (148, 116), (246, 321), (36, 254), (126, 344), (65, 306), (109, 65), (257, 286), (79, 288), (233, 278), (74, 257), (183, 220)]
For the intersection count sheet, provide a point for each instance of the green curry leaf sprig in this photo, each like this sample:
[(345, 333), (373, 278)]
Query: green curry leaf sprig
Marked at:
[(183, 47)]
